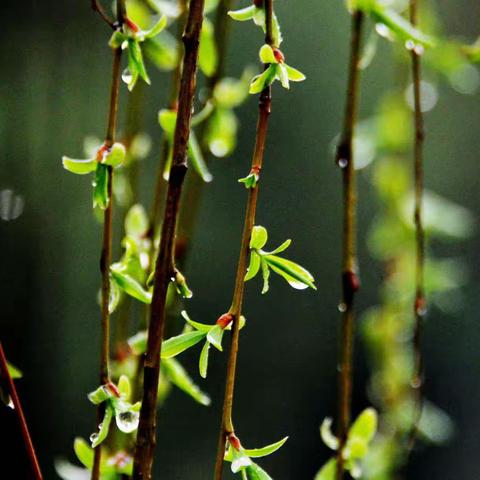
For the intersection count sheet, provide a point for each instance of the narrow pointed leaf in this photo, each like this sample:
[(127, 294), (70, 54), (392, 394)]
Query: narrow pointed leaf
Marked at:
[(255, 472), (197, 160), (80, 167), (265, 275), (294, 75), (83, 452), (202, 327), (176, 345), (268, 450), (100, 187), (203, 361), (104, 427), (215, 336), (129, 285), (243, 14), (157, 28), (290, 270), (260, 82), (254, 265), (280, 248)]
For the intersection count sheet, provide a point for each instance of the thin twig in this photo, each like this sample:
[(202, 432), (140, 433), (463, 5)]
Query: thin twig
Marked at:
[(226, 426), (419, 302), (106, 257), (350, 279), (97, 7), (165, 264), (17, 406)]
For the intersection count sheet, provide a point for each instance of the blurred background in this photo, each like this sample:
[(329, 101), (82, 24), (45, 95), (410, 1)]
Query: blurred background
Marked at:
[(55, 66)]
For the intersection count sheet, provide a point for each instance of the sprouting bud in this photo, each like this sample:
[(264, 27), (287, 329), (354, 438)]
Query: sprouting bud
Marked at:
[(420, 306), (225, 320), (131, 25), (351, 284), (234, 441), (181, 285), (113, 389), (279, 56)]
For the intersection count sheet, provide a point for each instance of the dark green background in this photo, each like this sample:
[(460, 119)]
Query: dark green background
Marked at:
[(55, 73)]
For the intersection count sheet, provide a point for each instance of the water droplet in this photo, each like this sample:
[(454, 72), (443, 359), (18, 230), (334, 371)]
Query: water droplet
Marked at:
[(342, 307), (342, 162), (409, 45), (93, 437), (127, 421), (127, 76), (418, 49), (416, 382), (382, 30), (11, 205)]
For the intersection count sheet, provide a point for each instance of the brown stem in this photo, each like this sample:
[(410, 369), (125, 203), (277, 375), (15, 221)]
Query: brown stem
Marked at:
[(97, 7), (226, 426), (419, 305), (17, 406), (195, 186), (165, 264), (106, 256), (350, 281)]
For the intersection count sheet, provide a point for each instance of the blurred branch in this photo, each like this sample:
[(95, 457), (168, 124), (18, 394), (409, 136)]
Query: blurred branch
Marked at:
[(350, 280), (97, 7)]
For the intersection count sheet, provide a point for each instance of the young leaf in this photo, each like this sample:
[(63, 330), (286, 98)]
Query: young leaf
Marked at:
[(202, 327), (328, 471), (128, 284), (259, 237), (83, 452), (100, 187), (254, 265), (214, 336), (203, 361), (196, 157), (115, 156), (266, 54), (98, 437), (297, 276), (156, 29), (268, 450), (293, 74), (207, 54), (176, 345), (100, 395), (80, 167), (283, 76), (14, 371), (239, 460), (265, 275), (250, 180), (136, 221), (243, 14), (255, 472), (138, 343), (115, 295), (124, 387), (365, 426), (180, 378), (281, 248), (262, 81), (329, 439)]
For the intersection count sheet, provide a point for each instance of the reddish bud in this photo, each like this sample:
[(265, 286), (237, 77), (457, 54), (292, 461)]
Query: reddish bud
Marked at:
[(420, 305), (101, 152), (113, 389), (132, 25), (234, 441), (279, 56), (255, 170), (122, 352), (225, 320), (351, 284), (258, 3)]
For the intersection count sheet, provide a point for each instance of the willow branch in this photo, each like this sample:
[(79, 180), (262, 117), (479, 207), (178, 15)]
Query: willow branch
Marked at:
[(350, 281), (165, 264), (226, 426), (106, 256), (17, 406), (419, 302), (97, 7)]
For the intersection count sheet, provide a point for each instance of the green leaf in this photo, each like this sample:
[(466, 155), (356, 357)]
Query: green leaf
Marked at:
[(138, 343), (250, 180), (136, 221), (14, 371), (136, 65), (268, 450), (115, 295), (176, 345), (180, 378), (243, 14), (265, 275), (181, 285), (207, 54), (156, 29), (283, 76), (83, 452), (124, 386), (259, 237), (215, 336), (293, 74), (255, 472), (203, 361), (254, 266), (401, 27), (100, 187), (167, 120), (239, 460), (162, 51), (196, 157), (80, 167), (100, 395), (329, 439), (365, 426), (297, 276), (203, 114), (202, 327), (266, 54), (115, 156), (328, 471), (117, 39), (260, 82), (281, 248), (128, 284), (98, 437)]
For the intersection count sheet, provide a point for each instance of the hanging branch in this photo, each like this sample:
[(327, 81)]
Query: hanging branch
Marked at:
[(350, 280), (17, 406), (419, 302), (165, 264), (106, 257), (226, 428)]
